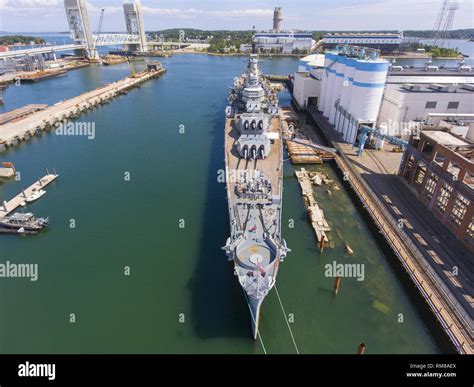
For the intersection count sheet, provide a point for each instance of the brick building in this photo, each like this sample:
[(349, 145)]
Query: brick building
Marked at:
[(438, 168)]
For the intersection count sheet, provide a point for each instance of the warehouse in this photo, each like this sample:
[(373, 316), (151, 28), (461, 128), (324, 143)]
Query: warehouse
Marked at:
[(416, 94), (385, 42)]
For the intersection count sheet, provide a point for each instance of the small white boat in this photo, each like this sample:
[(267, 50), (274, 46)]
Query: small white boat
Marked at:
[(35, 195)]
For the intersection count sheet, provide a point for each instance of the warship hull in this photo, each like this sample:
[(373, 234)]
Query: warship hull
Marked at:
[(254, 181)]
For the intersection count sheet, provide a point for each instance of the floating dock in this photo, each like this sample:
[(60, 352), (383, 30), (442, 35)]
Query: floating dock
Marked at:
[(14, 132), (7, 207), (301, 147), (41, 75), (315, 213)]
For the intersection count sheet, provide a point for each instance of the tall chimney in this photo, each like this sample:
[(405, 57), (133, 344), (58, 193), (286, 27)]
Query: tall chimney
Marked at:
[(278, 19)]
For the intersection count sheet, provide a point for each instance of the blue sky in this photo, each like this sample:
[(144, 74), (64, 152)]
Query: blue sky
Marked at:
[(48, 15)]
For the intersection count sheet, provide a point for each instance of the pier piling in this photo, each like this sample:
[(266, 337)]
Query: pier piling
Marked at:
[(337, 284), (361, 349)]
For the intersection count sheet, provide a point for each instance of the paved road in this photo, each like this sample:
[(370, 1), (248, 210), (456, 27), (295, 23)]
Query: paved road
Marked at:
[(433, 239)]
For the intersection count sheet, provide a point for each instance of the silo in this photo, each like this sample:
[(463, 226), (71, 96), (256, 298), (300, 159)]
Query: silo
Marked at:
[(324, 83), (367, 91), (339, 77), (278, 19), (304, 63), (331, 74), (346, 90)]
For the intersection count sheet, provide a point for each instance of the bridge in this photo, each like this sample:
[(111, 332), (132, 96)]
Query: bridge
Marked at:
[(40, 50), (85, 43), (81, 32)]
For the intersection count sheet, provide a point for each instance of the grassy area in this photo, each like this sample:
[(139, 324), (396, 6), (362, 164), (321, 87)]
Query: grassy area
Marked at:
[(438, 52)]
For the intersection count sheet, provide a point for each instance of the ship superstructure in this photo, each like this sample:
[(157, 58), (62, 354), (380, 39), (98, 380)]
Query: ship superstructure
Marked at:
[(254, 175)]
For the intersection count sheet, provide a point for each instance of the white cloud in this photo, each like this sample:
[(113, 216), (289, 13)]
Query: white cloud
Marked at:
[(192, 12), (391, 14), (16, 4)]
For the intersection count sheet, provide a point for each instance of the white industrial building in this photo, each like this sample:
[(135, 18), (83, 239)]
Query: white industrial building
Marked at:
[(414, 95), (307, 81), (386, 42), (347, 89), (351, 90), (284, 42), (278, 40)]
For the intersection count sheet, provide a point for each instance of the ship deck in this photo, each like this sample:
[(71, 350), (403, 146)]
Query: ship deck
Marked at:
[(269, 166)]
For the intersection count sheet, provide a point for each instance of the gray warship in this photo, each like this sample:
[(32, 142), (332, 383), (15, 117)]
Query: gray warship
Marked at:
[(254, 182)]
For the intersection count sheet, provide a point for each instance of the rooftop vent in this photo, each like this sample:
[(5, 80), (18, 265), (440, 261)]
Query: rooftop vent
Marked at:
[(468, 86), (411, 87), (431, 68), (442, 88), (465, 68)]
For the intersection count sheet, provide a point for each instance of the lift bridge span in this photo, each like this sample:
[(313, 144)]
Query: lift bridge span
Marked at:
[(85, 43)]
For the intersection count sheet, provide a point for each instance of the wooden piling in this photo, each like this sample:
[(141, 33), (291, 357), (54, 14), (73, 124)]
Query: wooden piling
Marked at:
[(361, 349), (337, 284)]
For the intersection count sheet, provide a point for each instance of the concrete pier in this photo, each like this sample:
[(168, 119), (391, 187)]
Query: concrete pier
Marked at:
[(13, 132), (7, 207)]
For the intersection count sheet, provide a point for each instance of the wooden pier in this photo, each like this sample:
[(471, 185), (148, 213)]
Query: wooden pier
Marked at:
[(315, 213), (300, 148), (7, 207), (13, 132)]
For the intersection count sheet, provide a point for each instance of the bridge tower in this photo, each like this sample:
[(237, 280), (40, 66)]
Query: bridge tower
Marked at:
[(135, 23), (79, 25)]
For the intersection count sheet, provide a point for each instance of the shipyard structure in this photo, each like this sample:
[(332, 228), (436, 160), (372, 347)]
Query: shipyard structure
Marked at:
[(404, 137), (438, 169), (355, 90), (278, 40), (385, 42)]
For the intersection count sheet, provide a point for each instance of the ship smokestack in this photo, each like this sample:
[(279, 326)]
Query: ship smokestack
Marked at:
[(278, 19)]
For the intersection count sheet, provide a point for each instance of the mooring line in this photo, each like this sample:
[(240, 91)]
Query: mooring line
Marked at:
[(286, 319)]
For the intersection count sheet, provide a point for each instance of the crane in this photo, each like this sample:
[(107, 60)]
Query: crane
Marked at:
[(134, 74), (364, 132), (101, 19), (444, 21)]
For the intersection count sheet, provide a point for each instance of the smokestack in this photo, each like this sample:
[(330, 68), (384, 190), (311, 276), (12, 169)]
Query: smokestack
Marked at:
[(278, 19)]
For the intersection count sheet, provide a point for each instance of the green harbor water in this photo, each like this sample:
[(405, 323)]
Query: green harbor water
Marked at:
[(181, 295)]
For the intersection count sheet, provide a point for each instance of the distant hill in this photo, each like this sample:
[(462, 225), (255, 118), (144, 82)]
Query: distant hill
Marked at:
[(246, 35), (19, 39), (466, 34)]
